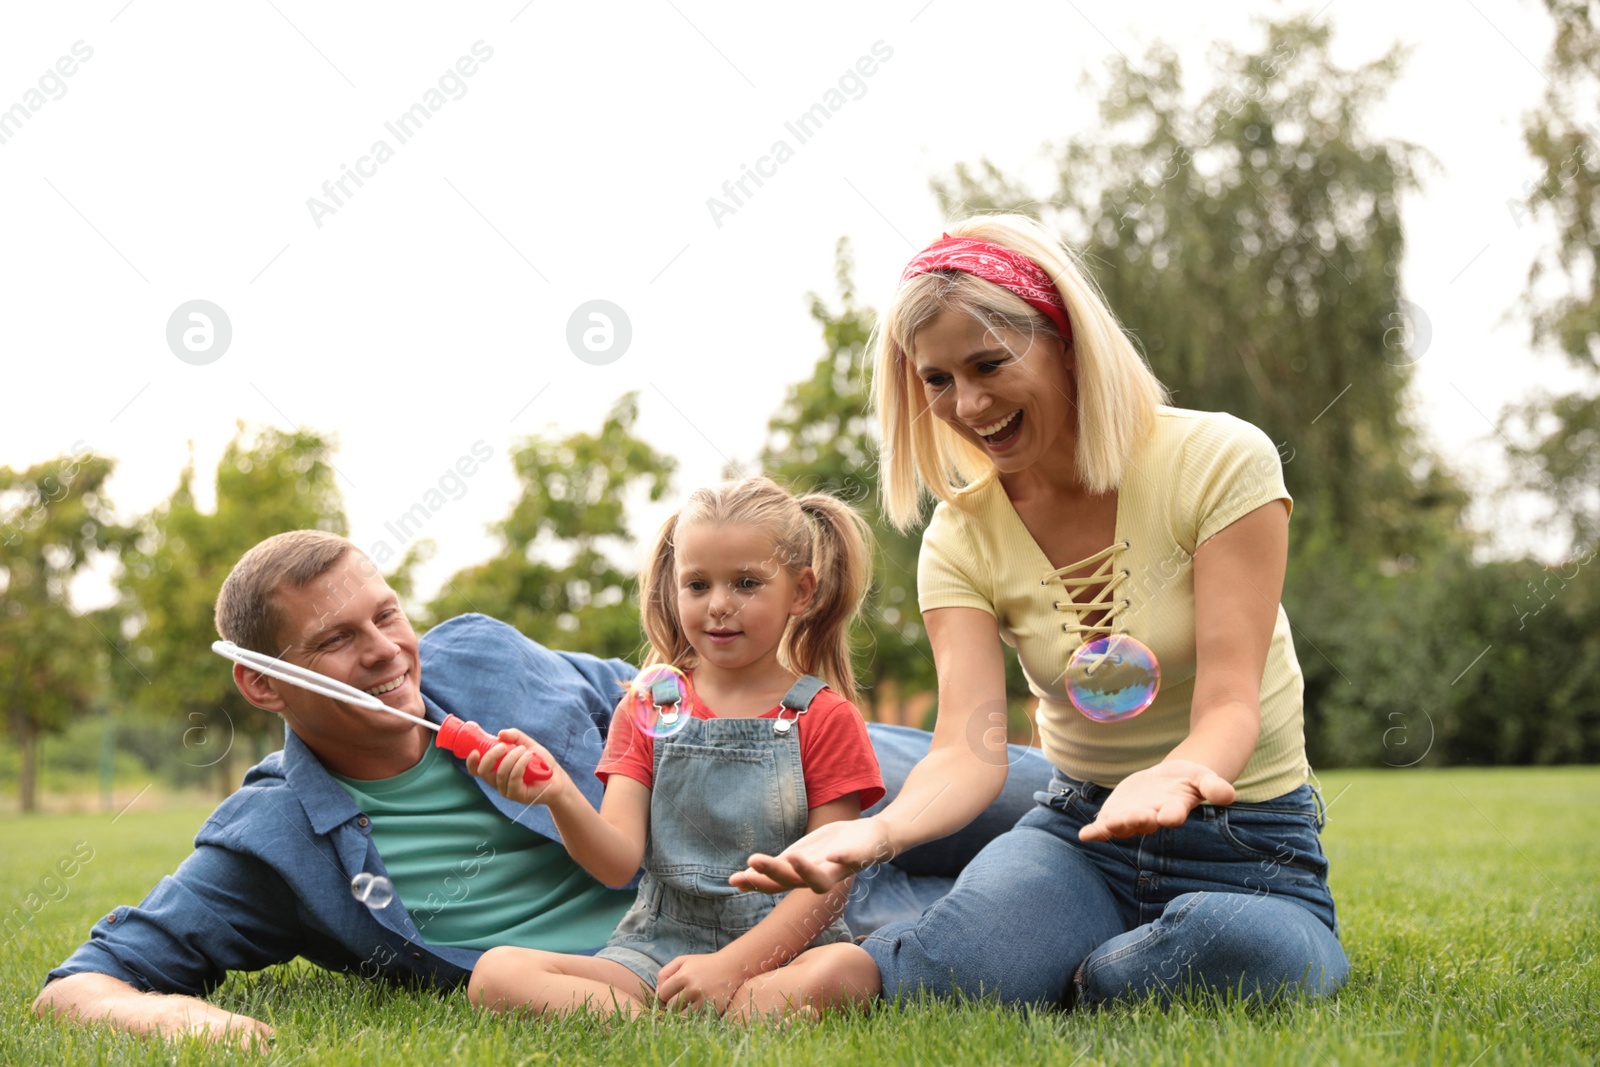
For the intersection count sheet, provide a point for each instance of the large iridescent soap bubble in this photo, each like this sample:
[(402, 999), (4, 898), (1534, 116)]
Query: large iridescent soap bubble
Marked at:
[(659, 697), (1113, 678)]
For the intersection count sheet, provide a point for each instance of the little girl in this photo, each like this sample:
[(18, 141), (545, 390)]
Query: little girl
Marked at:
[(751, 592)]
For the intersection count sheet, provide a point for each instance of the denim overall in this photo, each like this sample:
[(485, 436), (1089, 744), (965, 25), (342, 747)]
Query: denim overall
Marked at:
[(724, 788)]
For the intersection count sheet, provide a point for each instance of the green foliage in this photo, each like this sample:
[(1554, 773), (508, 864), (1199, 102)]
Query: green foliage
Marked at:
[(1564, 136), (1534, 697), (1493, 663), (1554, 442), (108, 755), (1459, 663), (266, 484), (821, 440), (1557, 444), (52, 659), (1453, 961), (403, 578), (575, 493)]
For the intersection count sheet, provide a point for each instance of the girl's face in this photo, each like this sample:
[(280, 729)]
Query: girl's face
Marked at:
[(1011, 395), (736, 594)]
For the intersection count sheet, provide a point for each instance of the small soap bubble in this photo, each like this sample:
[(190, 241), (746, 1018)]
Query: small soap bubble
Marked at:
[(654, 712), (373, 890), (1113, 678)]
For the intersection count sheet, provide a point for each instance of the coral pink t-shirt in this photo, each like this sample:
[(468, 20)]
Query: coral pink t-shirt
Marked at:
[(836, 757)]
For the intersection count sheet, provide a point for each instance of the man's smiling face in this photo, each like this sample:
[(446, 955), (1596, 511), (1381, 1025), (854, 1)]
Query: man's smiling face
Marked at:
[(347, 624)]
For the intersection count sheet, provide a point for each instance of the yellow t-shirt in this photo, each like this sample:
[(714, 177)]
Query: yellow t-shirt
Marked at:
[(1196, 473)]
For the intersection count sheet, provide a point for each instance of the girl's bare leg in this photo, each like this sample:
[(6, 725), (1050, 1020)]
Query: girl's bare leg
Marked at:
[(550, 983), (829, 976)]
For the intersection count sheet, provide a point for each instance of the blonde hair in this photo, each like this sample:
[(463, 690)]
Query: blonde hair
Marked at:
[(815, 530), (1117, 392), (247, 612)]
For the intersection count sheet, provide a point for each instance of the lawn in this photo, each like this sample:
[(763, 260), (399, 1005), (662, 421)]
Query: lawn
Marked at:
[(1469, 902)]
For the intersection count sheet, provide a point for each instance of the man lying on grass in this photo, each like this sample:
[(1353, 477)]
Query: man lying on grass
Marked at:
[(357, 795)]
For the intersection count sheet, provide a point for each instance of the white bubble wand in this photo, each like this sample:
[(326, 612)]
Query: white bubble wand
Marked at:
[(454, 735)]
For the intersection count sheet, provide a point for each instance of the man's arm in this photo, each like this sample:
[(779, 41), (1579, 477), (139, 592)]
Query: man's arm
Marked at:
[(221, 910), (99, 998)]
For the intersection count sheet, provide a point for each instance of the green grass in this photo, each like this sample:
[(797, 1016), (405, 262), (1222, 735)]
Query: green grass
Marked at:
[(1468, 900)]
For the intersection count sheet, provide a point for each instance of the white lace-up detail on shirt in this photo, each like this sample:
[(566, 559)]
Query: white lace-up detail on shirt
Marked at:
[(1108, 601)]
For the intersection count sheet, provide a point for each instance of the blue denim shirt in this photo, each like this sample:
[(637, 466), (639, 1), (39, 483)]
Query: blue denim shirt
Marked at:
[(270, 875)]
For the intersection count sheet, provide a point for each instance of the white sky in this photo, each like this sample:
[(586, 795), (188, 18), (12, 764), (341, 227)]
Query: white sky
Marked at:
[(430, 311)]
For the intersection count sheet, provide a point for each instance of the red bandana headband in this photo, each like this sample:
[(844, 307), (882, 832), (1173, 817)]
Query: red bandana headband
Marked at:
[(997, 264)]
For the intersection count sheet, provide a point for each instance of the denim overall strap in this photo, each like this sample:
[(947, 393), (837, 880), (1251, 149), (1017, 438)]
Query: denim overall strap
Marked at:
[(803, 692), (666, 691), (797, 700)]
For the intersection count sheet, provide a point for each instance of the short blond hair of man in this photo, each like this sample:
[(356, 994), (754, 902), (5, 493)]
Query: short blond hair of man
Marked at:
[(247, 609)]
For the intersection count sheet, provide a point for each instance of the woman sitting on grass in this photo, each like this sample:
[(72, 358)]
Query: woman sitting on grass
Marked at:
[(752, 593), (1175, 849)]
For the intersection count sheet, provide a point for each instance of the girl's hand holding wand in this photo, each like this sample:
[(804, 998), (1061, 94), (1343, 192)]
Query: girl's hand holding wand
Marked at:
[(514, 752), (608, 843)]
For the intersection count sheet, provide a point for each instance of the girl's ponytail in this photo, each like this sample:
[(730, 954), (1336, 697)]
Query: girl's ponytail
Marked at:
[(818, 642), (665, 641)]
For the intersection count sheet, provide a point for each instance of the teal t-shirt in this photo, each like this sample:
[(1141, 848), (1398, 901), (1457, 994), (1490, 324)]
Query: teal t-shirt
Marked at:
[(469, 876)]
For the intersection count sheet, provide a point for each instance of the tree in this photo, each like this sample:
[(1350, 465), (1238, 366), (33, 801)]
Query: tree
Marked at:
[(1559, 436), (52, 659), (266, 483), (555, 577), (1556, 449), (1564, 136), (821, 440)]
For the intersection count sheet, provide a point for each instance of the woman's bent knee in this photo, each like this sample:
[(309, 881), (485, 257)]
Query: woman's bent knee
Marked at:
[(1223, 943)]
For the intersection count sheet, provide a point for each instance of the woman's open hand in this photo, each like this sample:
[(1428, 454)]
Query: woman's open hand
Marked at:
[(1158, 796), (819, 860)]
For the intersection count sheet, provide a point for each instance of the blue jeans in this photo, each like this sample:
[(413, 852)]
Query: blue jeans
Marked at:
[(905, 887), (1236, 899)]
